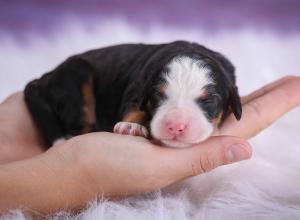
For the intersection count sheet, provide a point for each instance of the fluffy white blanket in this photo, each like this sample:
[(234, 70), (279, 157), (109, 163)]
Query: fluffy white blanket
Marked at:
[(265, 187)]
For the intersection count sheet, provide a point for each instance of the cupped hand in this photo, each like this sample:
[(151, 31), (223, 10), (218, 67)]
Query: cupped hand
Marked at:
[(118, 165), (113, 165), (20, 138), (133, 164)]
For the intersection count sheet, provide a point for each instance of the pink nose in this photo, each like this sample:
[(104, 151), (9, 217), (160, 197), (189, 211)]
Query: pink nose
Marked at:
[(176, 128)]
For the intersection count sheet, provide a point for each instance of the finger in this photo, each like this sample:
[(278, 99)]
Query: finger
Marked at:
[(177, 164), (259, 113), (265, 89)]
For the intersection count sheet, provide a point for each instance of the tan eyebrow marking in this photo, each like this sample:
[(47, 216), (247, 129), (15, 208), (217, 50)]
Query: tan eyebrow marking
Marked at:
[(162, 88), (203, 95)]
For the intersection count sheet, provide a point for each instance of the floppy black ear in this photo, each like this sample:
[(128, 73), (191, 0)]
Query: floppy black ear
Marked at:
[(235, 102), (229, 71)]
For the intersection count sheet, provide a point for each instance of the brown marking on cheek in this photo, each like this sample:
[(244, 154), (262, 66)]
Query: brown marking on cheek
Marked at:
[(218, 120), (89, 115), (135, 116)]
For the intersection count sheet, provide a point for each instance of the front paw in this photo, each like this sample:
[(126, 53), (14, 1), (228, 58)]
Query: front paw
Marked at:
[(130, 128)]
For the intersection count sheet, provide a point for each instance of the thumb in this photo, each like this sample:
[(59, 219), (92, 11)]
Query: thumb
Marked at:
[(216, 151)]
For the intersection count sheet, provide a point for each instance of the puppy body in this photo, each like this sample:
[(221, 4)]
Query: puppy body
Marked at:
[(177, 90)]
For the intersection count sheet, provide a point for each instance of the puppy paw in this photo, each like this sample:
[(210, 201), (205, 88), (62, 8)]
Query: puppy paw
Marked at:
[(129, 128)]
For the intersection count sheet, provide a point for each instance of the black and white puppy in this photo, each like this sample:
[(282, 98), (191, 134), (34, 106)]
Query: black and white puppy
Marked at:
[(176, 93)]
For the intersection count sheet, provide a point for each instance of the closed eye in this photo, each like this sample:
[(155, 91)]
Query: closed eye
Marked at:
[(203, 99), (210, 104), (208, 98)]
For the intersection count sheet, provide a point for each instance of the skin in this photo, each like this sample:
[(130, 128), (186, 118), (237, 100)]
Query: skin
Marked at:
[(85, 167)]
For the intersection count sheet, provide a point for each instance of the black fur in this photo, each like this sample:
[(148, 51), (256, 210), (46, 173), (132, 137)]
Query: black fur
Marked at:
[(124, 76)]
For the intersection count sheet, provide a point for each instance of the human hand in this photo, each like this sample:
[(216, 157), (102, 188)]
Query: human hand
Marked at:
[(124, 165), (78, 170), (90, 166), (121, 164), (19, 137), (86, 167), (259, 112)]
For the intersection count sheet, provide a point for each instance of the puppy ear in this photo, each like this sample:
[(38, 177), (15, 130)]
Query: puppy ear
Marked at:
[(235, 102), (234, 98)]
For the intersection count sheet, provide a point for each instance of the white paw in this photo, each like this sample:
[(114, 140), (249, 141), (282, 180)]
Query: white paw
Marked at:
[(131, 129)]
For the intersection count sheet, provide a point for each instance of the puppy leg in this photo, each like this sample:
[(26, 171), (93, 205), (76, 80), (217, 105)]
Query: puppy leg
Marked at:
[(132, 124), (42, 113), (62, 102), (75, 108)]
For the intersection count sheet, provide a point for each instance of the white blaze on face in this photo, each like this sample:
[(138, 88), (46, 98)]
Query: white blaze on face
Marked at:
[(179, 121)]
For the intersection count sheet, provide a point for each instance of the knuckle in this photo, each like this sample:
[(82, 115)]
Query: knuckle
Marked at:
[(255, 108), (205, 164), (256, 111)]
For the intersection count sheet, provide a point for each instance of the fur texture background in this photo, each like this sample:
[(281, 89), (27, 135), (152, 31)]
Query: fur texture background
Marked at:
[(265, 187)]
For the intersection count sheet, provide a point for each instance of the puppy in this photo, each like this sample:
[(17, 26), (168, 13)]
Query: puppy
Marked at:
[(175, 93)]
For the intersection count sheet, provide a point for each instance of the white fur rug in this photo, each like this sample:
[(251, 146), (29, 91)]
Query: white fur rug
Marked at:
[(265, 187)]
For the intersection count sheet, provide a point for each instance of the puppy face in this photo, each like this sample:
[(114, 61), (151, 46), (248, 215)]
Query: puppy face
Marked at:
[(187, 102)]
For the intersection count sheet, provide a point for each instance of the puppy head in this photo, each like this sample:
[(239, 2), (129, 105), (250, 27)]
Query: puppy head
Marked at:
[(188, 101)]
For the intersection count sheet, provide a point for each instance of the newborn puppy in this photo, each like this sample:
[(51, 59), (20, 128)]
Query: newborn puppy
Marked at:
[(175, 93)]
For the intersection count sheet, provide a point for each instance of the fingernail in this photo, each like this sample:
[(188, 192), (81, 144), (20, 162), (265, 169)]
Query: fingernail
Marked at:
[(237, 152)]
